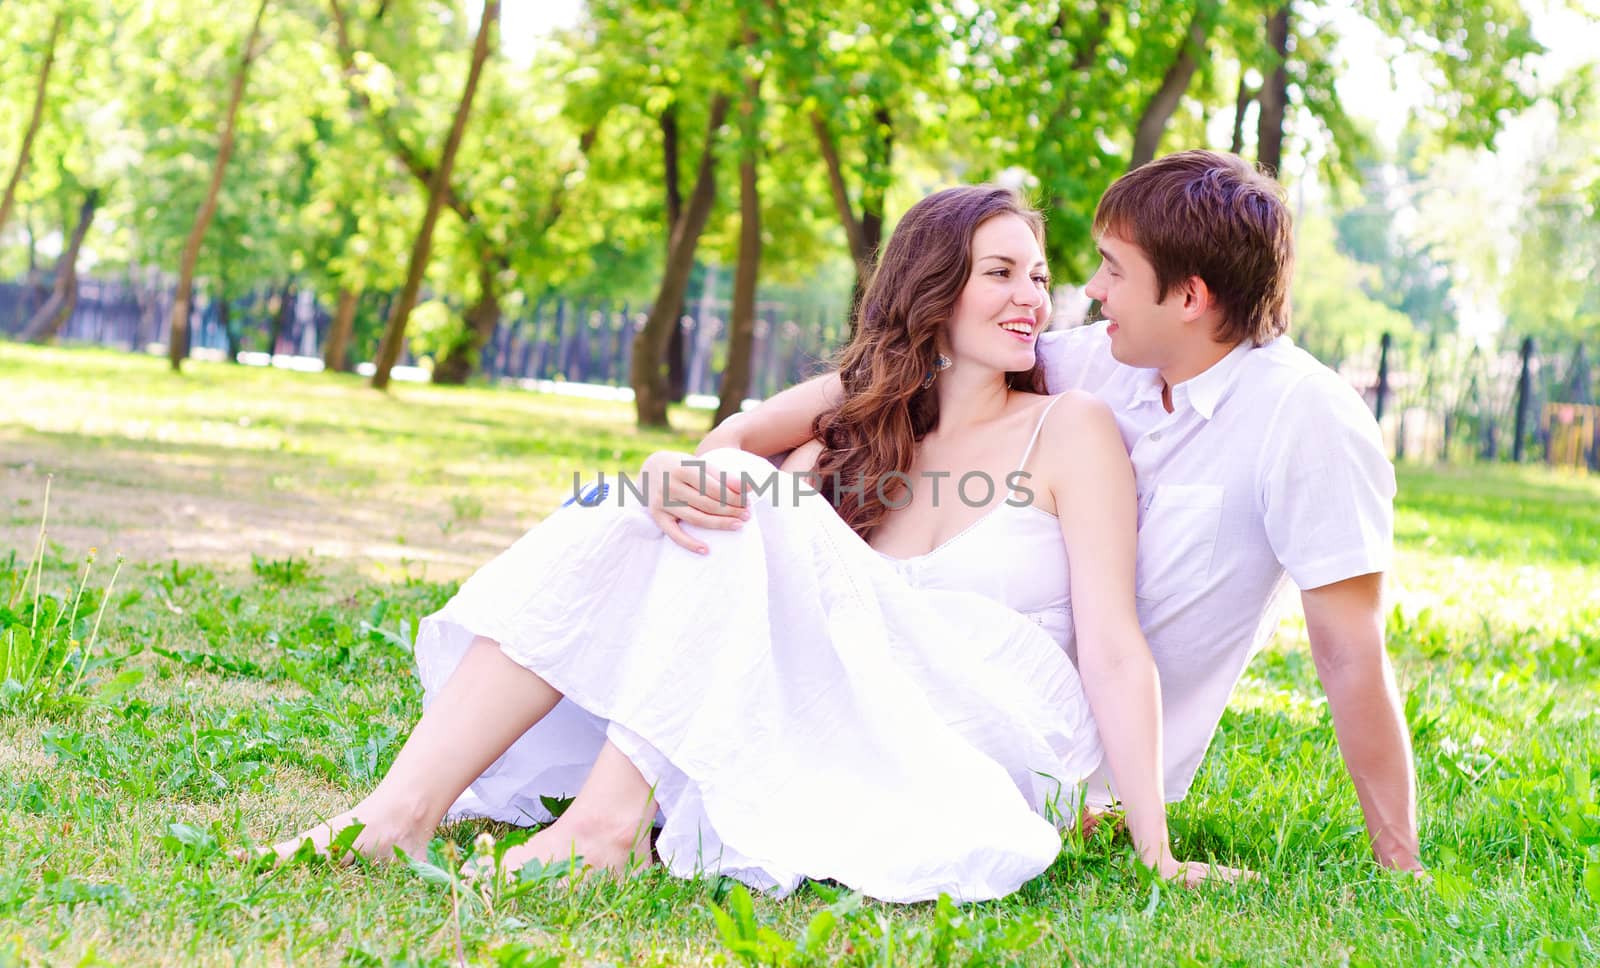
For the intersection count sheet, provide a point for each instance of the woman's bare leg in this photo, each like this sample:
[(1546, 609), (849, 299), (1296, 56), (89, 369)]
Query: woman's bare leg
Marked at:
[(488, 702), (607, 824)]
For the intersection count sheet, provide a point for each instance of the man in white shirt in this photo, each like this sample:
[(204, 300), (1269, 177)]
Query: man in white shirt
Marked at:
[(1256, 466)]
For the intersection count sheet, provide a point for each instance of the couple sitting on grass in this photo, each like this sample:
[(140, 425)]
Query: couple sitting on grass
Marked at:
[(1035, 570)]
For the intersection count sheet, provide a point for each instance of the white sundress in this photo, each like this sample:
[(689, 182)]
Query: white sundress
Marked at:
[(804, 706)]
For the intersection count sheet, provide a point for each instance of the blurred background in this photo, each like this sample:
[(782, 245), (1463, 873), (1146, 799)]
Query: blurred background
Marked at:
[(671, 202)]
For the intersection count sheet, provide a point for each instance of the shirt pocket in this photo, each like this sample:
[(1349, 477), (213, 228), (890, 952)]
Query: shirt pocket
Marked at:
[(1177, 538)]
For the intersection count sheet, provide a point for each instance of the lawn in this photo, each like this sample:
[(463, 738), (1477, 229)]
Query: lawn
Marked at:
[(250, 671)]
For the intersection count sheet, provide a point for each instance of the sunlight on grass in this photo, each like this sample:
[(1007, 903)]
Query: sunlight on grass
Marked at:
[(227, 461)]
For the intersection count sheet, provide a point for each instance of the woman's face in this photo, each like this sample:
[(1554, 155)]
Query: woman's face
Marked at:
[(1006, 301)]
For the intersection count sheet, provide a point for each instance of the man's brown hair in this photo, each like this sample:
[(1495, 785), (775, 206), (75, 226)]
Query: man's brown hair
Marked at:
[(1212, 215)]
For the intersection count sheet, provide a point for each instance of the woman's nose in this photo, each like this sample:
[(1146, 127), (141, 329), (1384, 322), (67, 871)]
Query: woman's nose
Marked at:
[(1029, 294)]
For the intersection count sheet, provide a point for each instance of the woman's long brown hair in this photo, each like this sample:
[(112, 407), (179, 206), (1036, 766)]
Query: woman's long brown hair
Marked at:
[(886, 410)]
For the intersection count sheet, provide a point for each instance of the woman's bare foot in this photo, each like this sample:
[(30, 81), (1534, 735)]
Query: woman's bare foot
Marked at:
[(611, 845), (387, 826)]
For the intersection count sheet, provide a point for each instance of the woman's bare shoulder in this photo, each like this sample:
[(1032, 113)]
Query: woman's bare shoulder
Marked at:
[(1078, 412), (1080, 429)]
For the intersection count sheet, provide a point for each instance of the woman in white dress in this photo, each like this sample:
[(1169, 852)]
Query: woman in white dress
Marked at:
[(872, 684)]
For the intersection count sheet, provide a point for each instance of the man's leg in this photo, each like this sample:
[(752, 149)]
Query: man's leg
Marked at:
[(488, 702)]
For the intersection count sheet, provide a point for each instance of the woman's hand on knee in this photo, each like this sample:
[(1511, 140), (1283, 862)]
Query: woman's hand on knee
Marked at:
[(684, 489)]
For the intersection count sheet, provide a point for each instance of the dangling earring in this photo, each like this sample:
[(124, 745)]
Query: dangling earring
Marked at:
[(940, 363)]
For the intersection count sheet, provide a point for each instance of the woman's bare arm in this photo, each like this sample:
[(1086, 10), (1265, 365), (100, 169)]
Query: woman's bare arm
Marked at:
[(803, 458), (1086, 469), (779, 424)]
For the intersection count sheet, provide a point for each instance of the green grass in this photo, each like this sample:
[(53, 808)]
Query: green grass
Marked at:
[(284, 533)]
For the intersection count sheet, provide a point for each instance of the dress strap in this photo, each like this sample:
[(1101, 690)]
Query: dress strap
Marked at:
[(1038, 427)]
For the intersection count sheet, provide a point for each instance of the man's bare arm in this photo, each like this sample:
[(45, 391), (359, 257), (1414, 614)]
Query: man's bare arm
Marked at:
[(781, 423), (1345, 623)]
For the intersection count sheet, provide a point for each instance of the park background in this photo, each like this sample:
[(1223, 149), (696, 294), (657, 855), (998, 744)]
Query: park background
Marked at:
[(575, 233)]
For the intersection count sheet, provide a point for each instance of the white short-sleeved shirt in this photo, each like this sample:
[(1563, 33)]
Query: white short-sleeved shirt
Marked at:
[(1269, 469)]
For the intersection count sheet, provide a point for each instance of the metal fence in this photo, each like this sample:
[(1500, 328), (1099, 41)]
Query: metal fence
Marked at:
[(1448, 398), (1439, 398), (582, 340)]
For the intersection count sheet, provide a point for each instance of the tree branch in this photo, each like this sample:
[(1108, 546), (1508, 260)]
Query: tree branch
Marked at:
[(33, 121), (841, 194), (1147, 136)]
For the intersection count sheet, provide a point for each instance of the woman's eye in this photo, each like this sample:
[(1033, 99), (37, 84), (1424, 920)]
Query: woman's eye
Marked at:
[(1001, 273), (1042, 280)]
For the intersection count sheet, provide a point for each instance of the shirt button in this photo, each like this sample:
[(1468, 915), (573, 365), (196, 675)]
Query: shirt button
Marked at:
[(1155, 435)]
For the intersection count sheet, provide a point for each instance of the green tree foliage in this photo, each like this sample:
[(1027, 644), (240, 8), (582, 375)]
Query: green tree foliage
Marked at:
[(635, 156), (1053, 85), (1334, 317), (1408, 273), (1550, 291)]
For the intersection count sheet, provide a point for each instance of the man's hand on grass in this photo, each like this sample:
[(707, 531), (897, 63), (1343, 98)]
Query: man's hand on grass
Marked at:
[(1192, 873)]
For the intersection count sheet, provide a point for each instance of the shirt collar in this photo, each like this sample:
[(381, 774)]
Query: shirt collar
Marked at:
[(1206, 389), (1147, 387)]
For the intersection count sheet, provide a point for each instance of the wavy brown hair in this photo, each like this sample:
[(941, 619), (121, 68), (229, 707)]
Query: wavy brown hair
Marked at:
[(886, 411)]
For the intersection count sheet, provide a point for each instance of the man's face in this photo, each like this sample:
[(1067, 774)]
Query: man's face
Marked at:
[(1144, 333)]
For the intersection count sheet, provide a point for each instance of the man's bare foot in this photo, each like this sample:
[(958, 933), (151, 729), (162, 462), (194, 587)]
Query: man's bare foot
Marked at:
[(387, 826), (594, 844)]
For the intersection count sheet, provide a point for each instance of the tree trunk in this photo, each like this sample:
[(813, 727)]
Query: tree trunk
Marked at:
[(280, 318), (424, 173), (231, 335), (880, 158), (1241, 104), (225, 320), (37, 116), (841, 193), (1274, 96), (677, 346), (649, 345), (34, 290), (864, 233), (336, 350), (482, 317), (742, 319), (149, 302), (394, 333), (1147, 135), (47, 322), (178, 330)]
